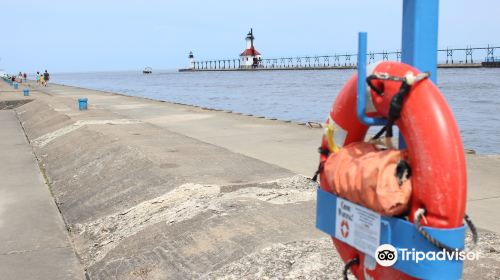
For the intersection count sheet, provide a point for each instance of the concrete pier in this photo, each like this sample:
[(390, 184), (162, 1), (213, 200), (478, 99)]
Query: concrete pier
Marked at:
[(34, 243), (155, 190), (271, 68), (458, 65), (468, 57)]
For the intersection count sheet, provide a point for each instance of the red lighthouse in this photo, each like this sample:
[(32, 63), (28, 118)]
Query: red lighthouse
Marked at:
[(250, 56)]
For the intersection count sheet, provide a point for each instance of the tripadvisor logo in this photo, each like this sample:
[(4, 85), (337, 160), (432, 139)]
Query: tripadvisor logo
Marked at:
[(387, 255)]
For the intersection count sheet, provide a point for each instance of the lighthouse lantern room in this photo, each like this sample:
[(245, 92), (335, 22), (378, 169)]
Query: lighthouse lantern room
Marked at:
[(250, 57)]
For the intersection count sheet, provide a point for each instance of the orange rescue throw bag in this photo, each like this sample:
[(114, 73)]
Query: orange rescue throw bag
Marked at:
[(365, 175)]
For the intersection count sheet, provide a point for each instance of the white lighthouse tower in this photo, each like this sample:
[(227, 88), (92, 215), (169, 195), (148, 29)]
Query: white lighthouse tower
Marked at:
[(191, 60), (250, 56)]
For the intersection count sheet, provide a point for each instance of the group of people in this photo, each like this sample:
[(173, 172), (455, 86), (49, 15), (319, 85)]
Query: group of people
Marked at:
[(42, 79), (20, 78)]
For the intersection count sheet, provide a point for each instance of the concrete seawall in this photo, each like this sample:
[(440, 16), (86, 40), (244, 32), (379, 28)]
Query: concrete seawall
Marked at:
[(155, 190)]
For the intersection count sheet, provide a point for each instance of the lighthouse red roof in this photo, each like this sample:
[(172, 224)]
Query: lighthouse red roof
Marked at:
[(250, 52)]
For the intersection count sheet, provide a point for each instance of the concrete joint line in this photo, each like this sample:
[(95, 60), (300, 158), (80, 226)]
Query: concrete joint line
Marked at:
[(484, 198), (33, 250), (51, 136)]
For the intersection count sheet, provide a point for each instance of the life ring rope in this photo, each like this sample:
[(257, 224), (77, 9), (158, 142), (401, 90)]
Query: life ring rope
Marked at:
[(347, 266), (420, 215)]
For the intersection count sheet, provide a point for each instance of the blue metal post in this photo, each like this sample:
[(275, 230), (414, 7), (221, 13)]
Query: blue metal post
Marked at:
[(420, 38), (361, 86), (420, 35)]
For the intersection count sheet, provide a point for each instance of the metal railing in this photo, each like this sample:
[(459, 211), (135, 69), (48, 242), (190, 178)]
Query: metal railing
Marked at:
[(449, 56)]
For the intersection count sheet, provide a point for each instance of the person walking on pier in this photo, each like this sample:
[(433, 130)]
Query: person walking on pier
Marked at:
[(37, 77), (42, 80), (25, 76), (46, 77)]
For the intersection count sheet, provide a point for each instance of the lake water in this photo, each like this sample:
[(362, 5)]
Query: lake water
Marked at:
[(473, 94)]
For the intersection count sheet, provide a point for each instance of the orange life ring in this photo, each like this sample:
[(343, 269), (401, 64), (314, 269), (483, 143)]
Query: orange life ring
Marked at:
[(434, 149)]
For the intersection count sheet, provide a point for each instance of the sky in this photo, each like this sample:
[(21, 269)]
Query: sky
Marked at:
[(111, 35)]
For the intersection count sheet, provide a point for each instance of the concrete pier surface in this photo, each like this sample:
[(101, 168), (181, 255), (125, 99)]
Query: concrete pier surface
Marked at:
[(155, 190), (34, 243)]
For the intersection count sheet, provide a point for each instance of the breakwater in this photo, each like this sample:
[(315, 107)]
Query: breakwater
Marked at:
[(469, 57), (302, 96), (156, 190)]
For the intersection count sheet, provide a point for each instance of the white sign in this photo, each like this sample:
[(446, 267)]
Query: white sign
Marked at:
[(357, 226)]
